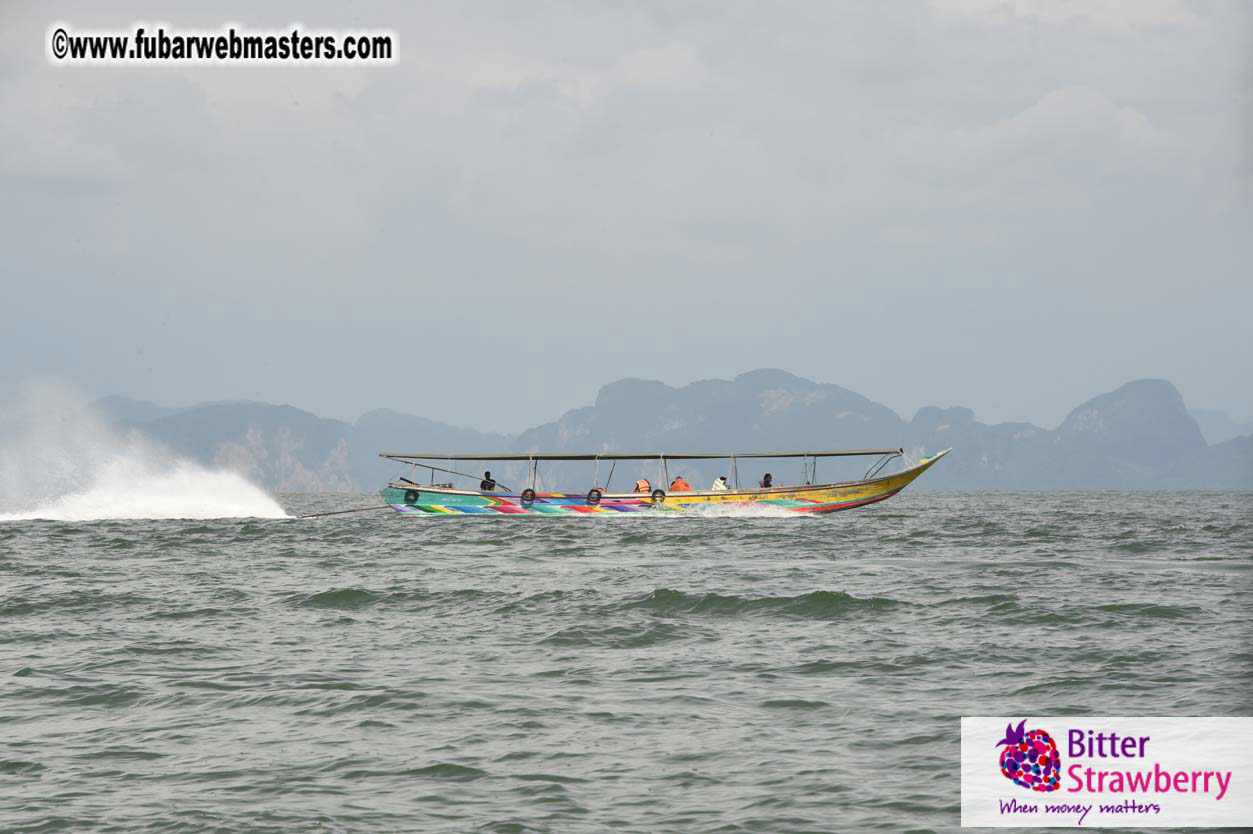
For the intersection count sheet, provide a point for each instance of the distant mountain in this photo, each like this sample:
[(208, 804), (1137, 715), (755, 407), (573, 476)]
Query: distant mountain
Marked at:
[(756, 410), (1137, 437), (290, 450), (124, 409), (278, 446), (1217, 427), (1126, 437), (1140, 436), (384, 430), (763, 410), (1226, 465)]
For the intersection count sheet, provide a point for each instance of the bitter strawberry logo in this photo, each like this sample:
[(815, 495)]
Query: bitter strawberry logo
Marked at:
[(1030, 758)]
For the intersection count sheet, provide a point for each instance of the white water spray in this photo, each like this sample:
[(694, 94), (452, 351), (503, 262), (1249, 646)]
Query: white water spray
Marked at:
[(60, 461), (732, 510)]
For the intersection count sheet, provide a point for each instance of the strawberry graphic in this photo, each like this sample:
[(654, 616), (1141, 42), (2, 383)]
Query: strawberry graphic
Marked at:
[(1030, 758)]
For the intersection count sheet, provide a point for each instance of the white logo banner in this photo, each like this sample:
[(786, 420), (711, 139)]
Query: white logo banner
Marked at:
[(1051, 771)]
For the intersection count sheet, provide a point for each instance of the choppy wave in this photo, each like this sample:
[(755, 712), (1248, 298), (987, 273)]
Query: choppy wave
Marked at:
[(813, 605), (372, 672)]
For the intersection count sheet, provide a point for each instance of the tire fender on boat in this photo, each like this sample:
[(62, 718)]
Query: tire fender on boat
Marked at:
[(411, 496), (659, 496), (528, 495), (593, 496)]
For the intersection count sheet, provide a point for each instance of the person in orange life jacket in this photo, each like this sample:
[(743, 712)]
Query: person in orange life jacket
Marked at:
[(487, 484), (643, 486), (766, 482), (680, 485)]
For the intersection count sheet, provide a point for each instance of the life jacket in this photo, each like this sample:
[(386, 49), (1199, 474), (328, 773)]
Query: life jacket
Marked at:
[(643, 486), (680, 485)]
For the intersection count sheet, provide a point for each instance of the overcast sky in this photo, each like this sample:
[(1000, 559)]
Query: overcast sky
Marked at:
[(1006, 205)]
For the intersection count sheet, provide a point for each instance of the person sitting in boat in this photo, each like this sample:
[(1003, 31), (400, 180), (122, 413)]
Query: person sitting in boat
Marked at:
[(487, 484), (720, 485), (766, 481), (643, 486), (680, 485)]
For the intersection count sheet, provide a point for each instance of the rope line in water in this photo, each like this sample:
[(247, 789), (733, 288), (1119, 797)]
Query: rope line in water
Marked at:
[(340, 512)]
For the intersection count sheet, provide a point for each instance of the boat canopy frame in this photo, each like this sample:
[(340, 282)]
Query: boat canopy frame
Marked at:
[(519, 456), (809, 461)]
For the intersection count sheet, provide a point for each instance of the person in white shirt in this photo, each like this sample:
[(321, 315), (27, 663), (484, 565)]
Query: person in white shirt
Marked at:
[(720, 485)]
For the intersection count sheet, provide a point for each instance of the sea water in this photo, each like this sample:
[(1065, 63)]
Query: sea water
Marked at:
[(670, 673)]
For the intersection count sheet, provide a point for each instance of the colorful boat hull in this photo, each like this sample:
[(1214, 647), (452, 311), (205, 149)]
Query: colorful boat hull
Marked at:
[(413, 499)]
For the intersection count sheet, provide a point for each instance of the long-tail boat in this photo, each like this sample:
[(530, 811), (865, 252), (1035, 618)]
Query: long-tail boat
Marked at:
[(410, 497)]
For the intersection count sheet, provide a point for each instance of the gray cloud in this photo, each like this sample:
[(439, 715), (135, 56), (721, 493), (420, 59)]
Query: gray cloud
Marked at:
[(1007, 205)]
